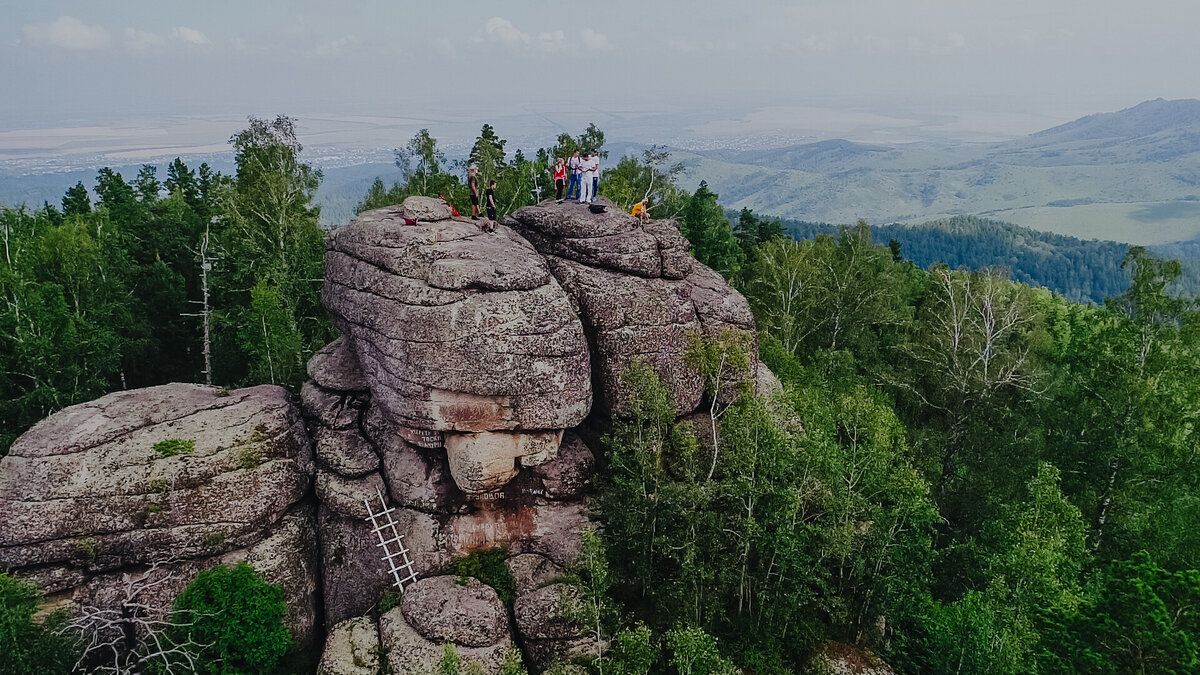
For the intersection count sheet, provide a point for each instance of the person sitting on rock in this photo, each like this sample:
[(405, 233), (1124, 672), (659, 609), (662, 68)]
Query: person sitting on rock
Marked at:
[(560, 179), (641, 210), (473, 184)]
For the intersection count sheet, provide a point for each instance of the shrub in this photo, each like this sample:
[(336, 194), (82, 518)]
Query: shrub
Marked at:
[(238, 616), (174, 446), (488, 566), (28, 648)]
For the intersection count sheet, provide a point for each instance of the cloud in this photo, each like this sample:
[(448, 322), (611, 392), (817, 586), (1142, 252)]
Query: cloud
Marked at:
[(504, 31), (67, 32), (190, 35), (138, 41), (593, 40), (336, 47)]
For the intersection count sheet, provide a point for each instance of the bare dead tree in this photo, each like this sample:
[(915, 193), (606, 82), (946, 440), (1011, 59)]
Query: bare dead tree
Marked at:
[(127, 638)]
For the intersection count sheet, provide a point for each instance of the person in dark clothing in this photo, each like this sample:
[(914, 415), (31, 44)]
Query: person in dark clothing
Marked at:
[(473, 183), (490, 200)]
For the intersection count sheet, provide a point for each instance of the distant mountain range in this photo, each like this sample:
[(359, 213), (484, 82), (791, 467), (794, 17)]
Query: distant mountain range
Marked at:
[(1132, 175)]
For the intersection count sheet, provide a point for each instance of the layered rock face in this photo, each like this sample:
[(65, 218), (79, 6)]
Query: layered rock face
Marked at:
[(181, 474), (640, 295), (457, 397)]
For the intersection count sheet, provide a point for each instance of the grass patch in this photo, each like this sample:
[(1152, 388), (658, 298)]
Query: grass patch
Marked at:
[(390, 600), (214, 539), (249, 457), (488, 566), (175, 446)]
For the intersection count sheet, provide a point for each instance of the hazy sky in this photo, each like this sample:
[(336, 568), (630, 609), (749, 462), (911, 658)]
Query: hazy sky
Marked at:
[(85, 62)]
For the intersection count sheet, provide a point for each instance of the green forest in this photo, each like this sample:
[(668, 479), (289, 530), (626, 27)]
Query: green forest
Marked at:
[(962, 473)]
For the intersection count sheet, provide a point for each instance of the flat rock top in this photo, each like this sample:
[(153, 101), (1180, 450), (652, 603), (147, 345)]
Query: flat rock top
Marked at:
[(177, 457), (453, 254), (130, 420), (574, 220)]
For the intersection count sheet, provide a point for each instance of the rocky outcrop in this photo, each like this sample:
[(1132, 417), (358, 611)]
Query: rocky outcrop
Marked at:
[(181, 474), (640, 295), (457, 397), (456, 329)]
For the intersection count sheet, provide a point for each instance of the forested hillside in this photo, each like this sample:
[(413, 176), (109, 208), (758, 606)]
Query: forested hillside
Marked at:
[(957, 472), (1078, 269)]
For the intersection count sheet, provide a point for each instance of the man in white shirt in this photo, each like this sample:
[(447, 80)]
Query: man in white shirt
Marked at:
[(589, 172), (595, 175)]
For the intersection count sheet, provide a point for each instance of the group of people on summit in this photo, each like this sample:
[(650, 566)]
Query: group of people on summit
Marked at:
[(584, 173), (579, 176)]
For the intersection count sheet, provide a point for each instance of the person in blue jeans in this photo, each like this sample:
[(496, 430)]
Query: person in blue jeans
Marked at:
[(575, 166)]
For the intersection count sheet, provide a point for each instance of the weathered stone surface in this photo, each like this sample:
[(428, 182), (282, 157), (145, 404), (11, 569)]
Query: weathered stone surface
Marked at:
[(285, 554), (346, 495), (766, 385), (451, 609), (87, 486), (569, 474), (551, 529), (612, 240), (425, 208), (352, 648), (630, 318), (544, 627), (482, 462), (408, 652), (531, 571), (456, 329), (331, 409), (838, 658), (334, 367), (416, 478), (345, 452)]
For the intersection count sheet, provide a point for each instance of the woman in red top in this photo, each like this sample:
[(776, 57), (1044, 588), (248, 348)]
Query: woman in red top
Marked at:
[(560, 179)]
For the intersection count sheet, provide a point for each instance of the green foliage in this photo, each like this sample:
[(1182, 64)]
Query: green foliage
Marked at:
[(694, 652), (29, 647), (704, 224), (1138, 618), (488, 566), (390, 600), (632, 652), (238, 616), (171, 447)]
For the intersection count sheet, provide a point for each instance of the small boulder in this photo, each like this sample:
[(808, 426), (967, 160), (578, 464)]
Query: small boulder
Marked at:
[(448, 609), (352, 648)]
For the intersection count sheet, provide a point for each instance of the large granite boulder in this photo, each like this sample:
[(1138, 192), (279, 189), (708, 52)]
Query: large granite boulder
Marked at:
[(456, 329), (183, 475), (641, 297)]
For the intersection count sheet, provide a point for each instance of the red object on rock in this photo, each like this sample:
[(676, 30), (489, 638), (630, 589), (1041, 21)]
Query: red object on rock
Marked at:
[(452, 209)]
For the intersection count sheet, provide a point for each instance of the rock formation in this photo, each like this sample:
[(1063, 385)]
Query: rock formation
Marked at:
[(184, 474), (459, 393)]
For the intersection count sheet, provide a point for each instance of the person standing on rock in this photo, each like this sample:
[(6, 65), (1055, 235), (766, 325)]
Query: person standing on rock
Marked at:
[(490, 200), (575, 166), (473, 184), (585, 191), (560, 179), (595, 169)]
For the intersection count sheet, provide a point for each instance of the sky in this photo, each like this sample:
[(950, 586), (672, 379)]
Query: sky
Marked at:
[(1004, 67)]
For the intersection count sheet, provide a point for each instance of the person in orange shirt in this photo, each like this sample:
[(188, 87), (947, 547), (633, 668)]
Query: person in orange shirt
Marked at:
[(641, 210)]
